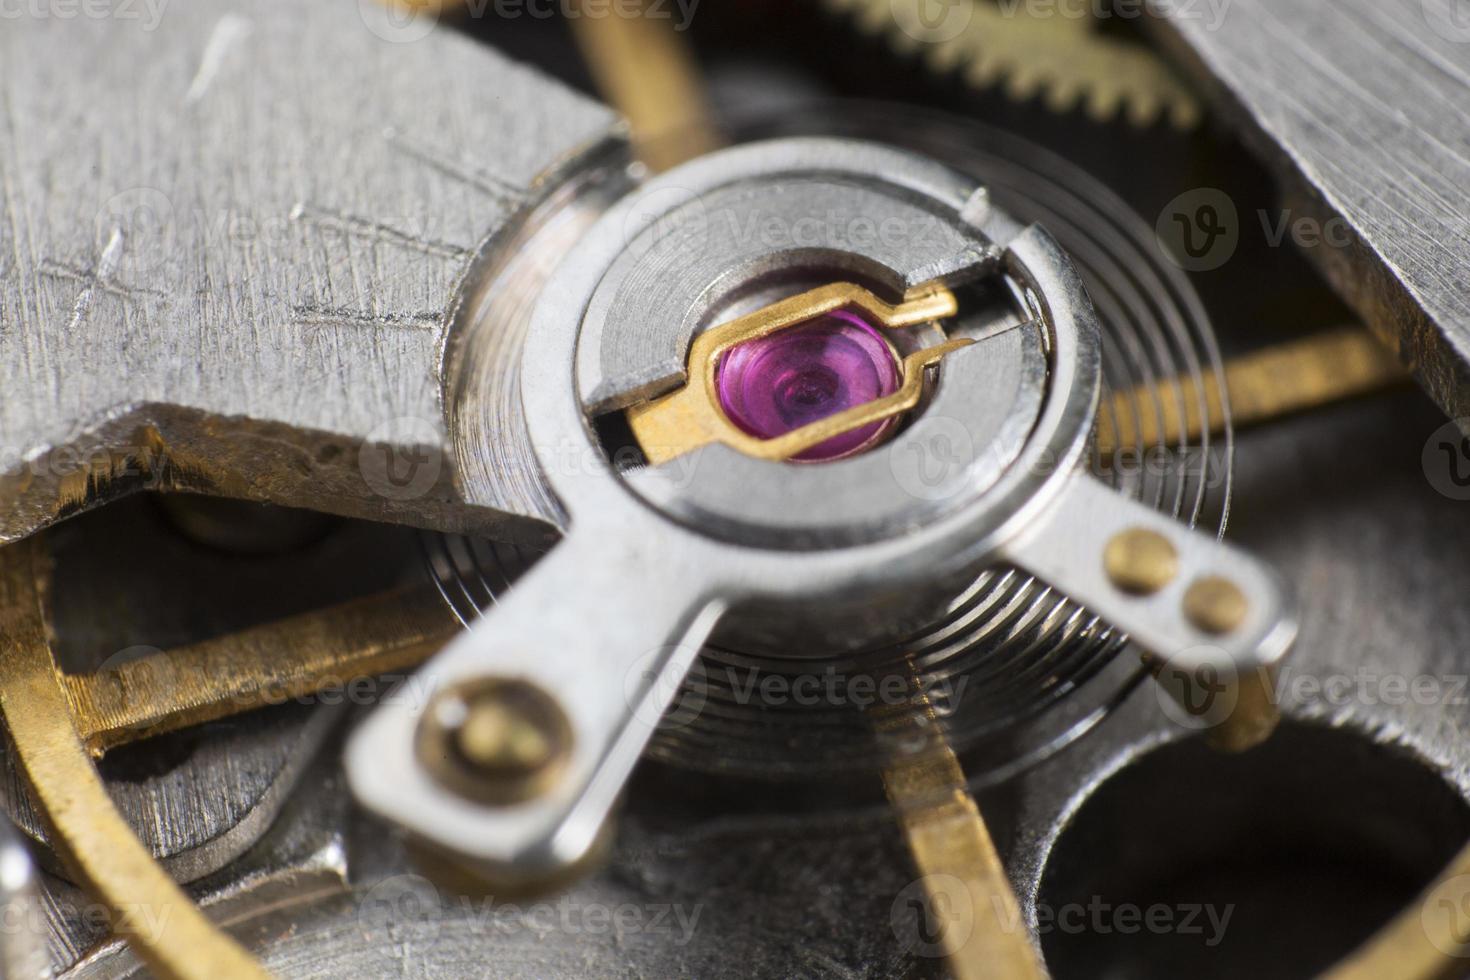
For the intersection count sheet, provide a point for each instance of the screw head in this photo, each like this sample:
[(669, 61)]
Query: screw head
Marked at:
[(495, 740), (1215, 605), (1140, 562)]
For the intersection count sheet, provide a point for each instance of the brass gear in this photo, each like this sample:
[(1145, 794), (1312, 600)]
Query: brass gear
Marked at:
[(1034, 48)]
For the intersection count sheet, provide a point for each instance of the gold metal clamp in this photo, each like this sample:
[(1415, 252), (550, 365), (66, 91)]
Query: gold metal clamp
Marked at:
[(690, 417)]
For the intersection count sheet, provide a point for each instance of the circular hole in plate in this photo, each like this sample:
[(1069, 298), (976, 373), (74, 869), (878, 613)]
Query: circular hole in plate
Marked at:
[(1283, 859)]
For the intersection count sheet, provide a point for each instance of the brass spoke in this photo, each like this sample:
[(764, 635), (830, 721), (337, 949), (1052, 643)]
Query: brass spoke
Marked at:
[(966, 888), (59, 721), (146, 906), (646, 71), (264, 665), (1272, 383)]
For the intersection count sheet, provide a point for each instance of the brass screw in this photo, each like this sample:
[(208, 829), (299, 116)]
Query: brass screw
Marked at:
[(1216, 605), (498, 739), (1140, 561), (495, 741)]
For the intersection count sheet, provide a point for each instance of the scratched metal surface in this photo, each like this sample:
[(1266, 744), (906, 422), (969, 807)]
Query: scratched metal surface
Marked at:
[(725, 889), (234, 237), (1363, 107)]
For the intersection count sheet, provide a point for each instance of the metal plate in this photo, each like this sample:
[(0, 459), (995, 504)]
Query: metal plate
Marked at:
[(231, 245), (1360, 108)]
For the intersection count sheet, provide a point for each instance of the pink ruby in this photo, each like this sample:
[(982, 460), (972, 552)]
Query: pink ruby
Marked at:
[(806, 373)]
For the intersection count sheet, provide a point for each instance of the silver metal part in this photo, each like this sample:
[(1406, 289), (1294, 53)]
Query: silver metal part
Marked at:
[(614, 616), (757, 213), (1359, 105), (232, 240), (1066, 546), (673, 899), (23, 952), (301, 864), (493, 460), (1331, 500), (1024, 668), (693, 241)]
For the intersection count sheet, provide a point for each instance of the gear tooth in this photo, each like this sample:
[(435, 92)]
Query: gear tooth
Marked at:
[(1184, 113), (1063, 60), (1062, 95), (1024, 83), (945, 58), (984, 70), (1142, 109), (1102, 103)]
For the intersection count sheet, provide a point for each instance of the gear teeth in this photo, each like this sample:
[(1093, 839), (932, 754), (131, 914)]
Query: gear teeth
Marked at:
[(1024, 83), (1104, 103), (1063, 95), (944, 58), (986, 70), (1141, 112), (1061, 61)]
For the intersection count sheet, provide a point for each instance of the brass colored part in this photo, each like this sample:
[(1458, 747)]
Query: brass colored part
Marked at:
[(1034, 49), (983, 934), (147, 908), (1215, 605), (264, 665), (495, 738), (1311, 373), (1255, 716), (643, 68), (1427, 941), (690, 417), (58, 720), (1140, 561), (495, 741), (953, 851)]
